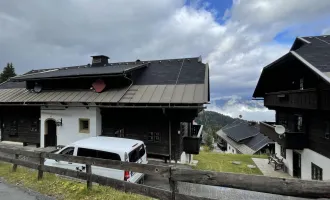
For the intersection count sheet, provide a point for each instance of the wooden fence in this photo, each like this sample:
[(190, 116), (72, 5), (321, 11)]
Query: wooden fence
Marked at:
[(281, 186)]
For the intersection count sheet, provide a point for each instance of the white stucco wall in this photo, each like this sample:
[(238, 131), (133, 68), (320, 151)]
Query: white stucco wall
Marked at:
[(231, 149), (307, 158), (288, 160), (69, 131)]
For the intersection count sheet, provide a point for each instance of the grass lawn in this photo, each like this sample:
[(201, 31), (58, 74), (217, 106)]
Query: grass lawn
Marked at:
[(222, 162), (61, 188)]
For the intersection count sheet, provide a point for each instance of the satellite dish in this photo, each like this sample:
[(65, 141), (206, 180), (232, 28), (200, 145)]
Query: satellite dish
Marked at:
[(37, 88), (279, 129), (240, 116)]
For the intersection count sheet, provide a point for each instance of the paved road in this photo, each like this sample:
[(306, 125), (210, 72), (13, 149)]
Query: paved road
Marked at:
[(9, 192)]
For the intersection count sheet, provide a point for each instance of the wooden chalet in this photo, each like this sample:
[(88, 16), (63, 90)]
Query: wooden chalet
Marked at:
[(297, 87), (154, 101)]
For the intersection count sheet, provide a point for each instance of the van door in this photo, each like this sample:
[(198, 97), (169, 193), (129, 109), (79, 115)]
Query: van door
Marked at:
[(102, 171), (64, 164), (137, 155)]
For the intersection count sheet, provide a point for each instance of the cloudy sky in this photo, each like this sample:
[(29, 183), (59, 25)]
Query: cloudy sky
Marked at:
[(236, 37)]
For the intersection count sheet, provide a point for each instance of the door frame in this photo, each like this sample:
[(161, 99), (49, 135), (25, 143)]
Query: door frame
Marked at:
[(296, 164), (47, 130)]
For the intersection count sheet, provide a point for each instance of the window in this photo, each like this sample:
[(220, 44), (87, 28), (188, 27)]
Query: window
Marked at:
[(327, 130), (316, 172), (299, 123), (84, 125), (233, 151), (301, 83), (97, 154), (283, 152), (137, 153), (154, 137), (67, 151)]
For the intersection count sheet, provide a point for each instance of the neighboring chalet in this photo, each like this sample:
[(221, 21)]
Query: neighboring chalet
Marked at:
[(244, 137), (154, 101), (297, 87)]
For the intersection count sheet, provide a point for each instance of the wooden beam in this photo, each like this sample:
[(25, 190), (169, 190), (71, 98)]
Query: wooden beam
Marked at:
[(281, 186), (163, 171), (20, 162), (19, 150)]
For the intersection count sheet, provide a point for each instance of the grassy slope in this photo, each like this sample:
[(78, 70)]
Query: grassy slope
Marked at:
[(222, 162), (61, 188)]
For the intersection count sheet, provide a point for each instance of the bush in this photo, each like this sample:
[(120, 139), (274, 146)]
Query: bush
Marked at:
[(209, 141)]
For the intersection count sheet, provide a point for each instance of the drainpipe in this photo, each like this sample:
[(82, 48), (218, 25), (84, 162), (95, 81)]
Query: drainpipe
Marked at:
[(127, 88), (170, 139)]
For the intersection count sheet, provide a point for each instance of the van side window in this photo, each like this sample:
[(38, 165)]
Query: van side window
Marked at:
[(137, 153), (68, 151), (97, 154)]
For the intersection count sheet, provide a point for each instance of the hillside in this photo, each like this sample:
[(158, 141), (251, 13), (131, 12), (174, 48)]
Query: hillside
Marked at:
[(213, 120)]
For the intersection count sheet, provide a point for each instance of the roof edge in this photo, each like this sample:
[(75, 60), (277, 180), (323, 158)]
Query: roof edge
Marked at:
[(305, 62)]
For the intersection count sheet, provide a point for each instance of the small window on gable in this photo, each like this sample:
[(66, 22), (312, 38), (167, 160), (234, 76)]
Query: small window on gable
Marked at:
[(327, 130), (83, 125), (302, 83)]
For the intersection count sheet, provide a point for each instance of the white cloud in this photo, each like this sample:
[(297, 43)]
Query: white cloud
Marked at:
[(248, 113), (326, 31), (41, 34)]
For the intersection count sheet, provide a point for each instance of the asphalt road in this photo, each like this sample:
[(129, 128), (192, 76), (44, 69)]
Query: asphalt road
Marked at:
[(10, 192)]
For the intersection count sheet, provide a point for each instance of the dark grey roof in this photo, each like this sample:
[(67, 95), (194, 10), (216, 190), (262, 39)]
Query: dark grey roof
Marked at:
[(313, 52), (317, 52), (257, 142), (184, 80), (240, 131), (79, 71), (246, 138)]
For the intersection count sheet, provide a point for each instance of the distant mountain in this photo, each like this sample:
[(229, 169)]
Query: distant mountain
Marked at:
[(213, 120), (239, 101)]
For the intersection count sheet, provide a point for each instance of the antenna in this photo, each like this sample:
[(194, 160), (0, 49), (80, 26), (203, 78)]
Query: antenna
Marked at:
[(279, 129)]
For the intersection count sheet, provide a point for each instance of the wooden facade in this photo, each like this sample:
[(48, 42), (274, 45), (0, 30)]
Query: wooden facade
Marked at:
[(301, 100), (158, 128), (20, 124)]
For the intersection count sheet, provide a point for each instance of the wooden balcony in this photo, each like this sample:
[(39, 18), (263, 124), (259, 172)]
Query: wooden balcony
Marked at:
[(304, 99), (291, 140)]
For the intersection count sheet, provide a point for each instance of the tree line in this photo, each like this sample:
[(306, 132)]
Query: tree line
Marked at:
[(7, 72)]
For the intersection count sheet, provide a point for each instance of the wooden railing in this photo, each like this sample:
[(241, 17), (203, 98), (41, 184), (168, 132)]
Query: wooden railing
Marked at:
[(307, 99), (281, 186), (290, 140)]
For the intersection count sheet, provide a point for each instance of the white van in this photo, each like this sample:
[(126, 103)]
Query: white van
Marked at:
[(113, 148)]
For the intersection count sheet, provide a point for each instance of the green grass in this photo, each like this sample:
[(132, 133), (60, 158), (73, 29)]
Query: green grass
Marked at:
[(61, 188), (222, 162)]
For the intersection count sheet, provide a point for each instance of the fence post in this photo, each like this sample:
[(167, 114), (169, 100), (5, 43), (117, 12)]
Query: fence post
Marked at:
[(15, 165), (89, 173), (41, 162), (173, 185)]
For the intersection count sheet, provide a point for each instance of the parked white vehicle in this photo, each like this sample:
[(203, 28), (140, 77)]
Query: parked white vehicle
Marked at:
[(113, 148)]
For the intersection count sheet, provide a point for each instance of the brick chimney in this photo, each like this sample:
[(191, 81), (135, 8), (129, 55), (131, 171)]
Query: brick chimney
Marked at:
[(100, 60)]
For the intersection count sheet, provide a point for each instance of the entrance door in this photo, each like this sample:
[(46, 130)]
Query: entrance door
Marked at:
[(296, 164), (50, 137)]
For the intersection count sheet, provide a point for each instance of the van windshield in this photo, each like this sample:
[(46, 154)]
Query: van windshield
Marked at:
[(137, 153), (97, 154)]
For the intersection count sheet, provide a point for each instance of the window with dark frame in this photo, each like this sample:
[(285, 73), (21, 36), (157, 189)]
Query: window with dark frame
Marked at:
[(283, 152), (67, 151), (327, 130), (317, 172), (154, 137), (84, 125)]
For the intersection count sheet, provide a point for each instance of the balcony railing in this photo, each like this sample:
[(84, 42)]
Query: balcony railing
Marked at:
[(306, 99), (191, 144), (290, 140)]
